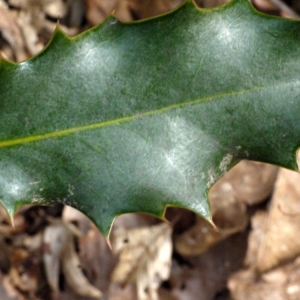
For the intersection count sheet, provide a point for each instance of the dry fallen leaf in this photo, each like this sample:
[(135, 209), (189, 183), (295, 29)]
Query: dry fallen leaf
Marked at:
[(229, 216), (281, 283), (25, 272), (129, 10), (144, 258), (280, 242), (14, 48), (59, 250), (259, 223), (252, 182), (98, 10)]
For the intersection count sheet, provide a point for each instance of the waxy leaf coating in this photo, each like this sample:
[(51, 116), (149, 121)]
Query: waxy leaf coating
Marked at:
[(136, 117)]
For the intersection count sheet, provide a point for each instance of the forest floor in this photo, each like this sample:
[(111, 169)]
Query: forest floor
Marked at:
[(254, 254)]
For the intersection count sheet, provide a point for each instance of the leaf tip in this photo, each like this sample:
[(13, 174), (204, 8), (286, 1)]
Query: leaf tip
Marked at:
[(211, 222), (10, 212), (59, 32)]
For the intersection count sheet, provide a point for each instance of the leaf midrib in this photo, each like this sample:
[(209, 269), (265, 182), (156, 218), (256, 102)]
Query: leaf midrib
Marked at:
[(69, 131)]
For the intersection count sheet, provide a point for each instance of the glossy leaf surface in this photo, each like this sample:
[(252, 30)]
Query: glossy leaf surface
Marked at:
[(135, 117)]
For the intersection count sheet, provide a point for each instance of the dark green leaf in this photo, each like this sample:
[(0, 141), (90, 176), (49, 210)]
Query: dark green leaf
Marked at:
[(136, 117)]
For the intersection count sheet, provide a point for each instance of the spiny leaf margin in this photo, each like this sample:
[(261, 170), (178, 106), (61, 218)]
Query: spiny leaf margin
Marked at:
[(180, 117)]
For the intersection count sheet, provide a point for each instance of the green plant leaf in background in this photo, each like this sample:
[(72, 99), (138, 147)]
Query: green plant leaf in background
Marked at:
[(136, 117)]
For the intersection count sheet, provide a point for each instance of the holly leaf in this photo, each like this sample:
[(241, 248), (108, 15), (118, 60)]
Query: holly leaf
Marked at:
[(137, 117)]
